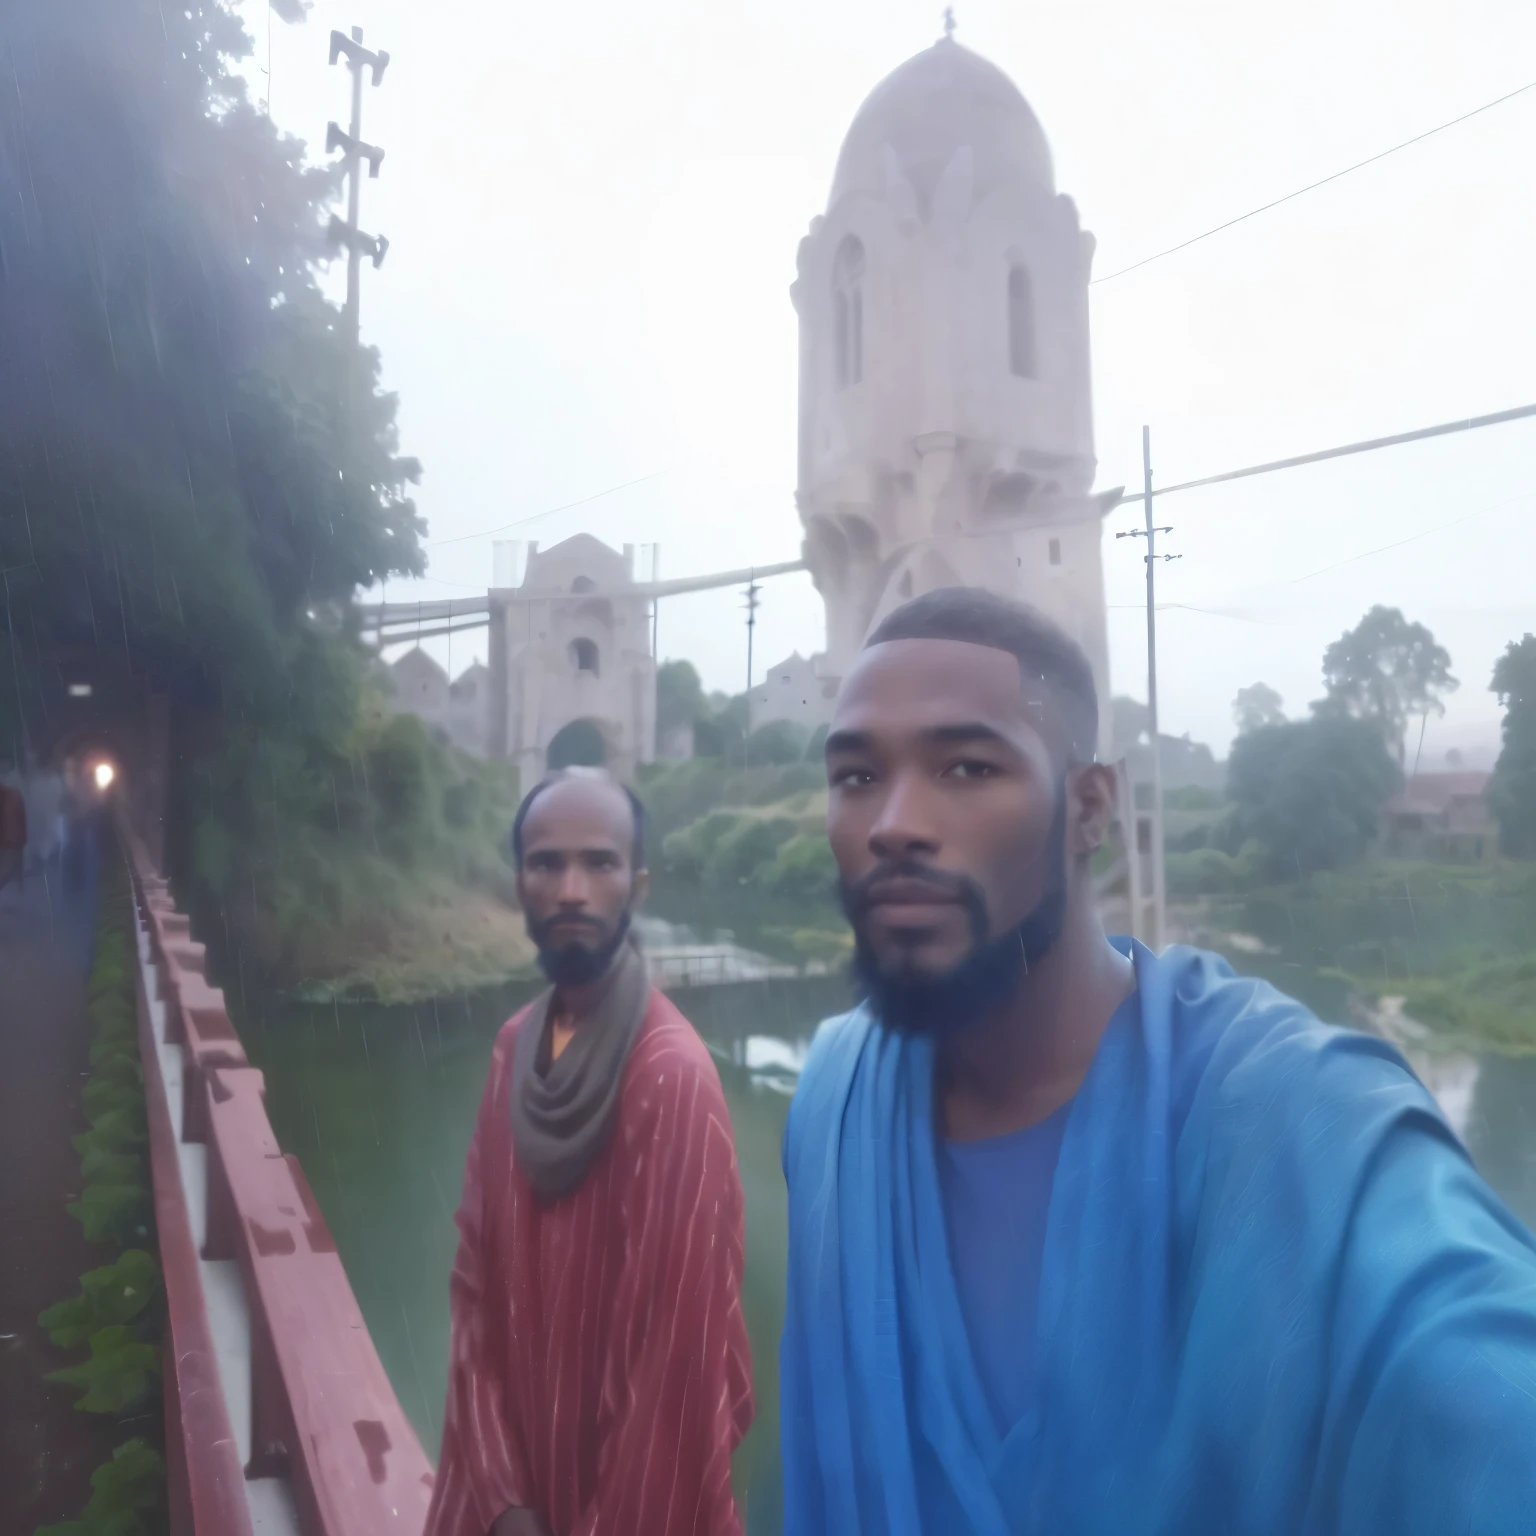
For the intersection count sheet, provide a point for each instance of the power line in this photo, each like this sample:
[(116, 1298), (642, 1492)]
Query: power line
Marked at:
[(1369, 445), (1423, 533), (523, 522), (1359, 165), (1365, 554)]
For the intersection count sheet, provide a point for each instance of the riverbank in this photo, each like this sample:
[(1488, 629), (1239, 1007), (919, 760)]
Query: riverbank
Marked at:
[(448, 939), (1457, 943)]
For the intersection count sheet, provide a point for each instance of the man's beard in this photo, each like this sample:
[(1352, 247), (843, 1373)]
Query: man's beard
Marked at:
[(575, 964), (913, 1003)]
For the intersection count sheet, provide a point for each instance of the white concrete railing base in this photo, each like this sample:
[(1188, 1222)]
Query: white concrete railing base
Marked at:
[(270, 1499)]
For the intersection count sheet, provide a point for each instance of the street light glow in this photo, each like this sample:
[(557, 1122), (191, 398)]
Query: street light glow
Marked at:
[(105, 773)]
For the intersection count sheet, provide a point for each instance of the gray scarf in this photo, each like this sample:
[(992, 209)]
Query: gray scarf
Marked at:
[(563, 1110)]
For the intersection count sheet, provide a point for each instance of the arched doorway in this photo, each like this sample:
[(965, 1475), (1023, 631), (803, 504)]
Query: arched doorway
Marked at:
[(581, 744)]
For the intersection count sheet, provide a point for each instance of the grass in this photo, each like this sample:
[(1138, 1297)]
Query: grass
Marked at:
[(1457, 942)]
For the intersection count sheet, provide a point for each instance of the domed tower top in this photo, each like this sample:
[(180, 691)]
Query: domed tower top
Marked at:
[(943, 99)]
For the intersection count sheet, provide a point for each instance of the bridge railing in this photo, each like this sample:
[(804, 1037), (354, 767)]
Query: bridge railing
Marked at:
[(279, 1416)]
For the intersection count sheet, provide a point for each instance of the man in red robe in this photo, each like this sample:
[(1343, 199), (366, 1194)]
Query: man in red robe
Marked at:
[(600, 1377)]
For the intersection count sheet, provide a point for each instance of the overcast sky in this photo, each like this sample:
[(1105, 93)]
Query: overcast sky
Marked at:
[(593, 211)]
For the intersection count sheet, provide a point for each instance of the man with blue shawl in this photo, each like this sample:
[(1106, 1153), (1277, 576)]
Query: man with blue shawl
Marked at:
[(1086, 1241)]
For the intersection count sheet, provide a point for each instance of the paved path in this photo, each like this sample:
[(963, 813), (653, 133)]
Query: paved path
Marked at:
[(47, 1449)]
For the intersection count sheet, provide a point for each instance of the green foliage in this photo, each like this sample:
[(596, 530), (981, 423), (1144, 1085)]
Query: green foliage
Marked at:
[(118, 1087), (722, 731), (1512, 790), (302, 842), (127, 1496), (802, 869), (1190, 797), (1386, 670), (400, 772), (119, 1376), (112, 1213), (1490, 1005), (745, 847), (727, 847), (1255, 707), (680, 697), (112, 1295), (678, 794), (816, 747), (198, 459), (1309, 792), (1212, 872), (780, 741), (822, 946)]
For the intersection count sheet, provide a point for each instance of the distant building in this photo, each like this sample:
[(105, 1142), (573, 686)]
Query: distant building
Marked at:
[(571, 675), (420, 684), (1442, 816), (946, 415), (796, 689), (454, 711)]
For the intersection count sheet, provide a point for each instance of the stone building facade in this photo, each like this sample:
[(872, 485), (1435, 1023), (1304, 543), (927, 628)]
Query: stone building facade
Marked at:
[(570, 662), (946, 417)]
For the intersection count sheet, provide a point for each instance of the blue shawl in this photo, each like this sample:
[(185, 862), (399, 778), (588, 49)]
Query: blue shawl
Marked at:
[(1276, 1297)]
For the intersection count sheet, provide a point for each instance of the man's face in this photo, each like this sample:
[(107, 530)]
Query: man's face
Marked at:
[(946, 814), (577, 882)]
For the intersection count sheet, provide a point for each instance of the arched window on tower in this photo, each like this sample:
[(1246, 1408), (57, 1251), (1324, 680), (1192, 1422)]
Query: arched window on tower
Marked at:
[(584, 655), (1021, 322), (848, 311)]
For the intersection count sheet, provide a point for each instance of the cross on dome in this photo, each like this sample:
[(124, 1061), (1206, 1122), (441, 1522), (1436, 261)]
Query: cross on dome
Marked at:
[(949, 22)]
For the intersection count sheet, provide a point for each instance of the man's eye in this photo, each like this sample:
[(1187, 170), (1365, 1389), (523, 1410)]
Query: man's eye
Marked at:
[(970, 770), (851, 778)]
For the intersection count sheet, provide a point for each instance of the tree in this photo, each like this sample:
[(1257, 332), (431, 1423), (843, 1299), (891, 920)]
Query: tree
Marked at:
[(1386, 670), (1255, 707), (680, 697), (1310, 792), (1512, 790), (183, 483), (778, 742)]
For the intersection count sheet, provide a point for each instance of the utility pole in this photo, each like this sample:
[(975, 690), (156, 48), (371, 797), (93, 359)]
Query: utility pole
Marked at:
[(1155, 852), (355, 151), (746, 741)]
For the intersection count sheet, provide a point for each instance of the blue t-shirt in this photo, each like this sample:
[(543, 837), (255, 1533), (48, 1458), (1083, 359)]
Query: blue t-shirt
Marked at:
[(997, 1193)]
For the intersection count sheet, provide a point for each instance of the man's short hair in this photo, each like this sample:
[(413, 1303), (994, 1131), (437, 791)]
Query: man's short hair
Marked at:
[(564, 775), (1045, 652)]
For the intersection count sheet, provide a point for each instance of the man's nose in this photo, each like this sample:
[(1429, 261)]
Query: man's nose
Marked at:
[(904, 826), (572, 890)]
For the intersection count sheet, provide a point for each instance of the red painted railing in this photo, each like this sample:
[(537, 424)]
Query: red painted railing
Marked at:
[(323, 1416)]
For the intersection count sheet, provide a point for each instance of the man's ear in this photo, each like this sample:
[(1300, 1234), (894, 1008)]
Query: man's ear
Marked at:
[(522, 896), (1092, 795), (639, 886)]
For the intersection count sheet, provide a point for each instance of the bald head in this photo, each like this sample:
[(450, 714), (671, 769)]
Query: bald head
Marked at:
[(579, 842), (581, 790)]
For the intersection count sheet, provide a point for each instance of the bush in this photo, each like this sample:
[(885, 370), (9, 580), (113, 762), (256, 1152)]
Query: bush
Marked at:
[(1190, 797), (748, 845), (688, 850), (803, 868), (778, 742), (1207, 872)]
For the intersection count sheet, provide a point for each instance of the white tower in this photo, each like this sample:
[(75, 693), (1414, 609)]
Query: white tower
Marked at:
[(946, 420)]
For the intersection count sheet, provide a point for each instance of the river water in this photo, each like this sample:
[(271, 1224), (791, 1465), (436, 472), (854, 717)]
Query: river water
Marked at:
[(378, 1104)]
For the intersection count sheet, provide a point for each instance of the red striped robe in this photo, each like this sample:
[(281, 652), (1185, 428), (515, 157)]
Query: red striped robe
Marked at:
[(600, 1372)]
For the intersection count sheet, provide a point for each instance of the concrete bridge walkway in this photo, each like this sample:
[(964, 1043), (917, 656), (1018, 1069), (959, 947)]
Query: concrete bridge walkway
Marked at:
[(47, 1449)]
